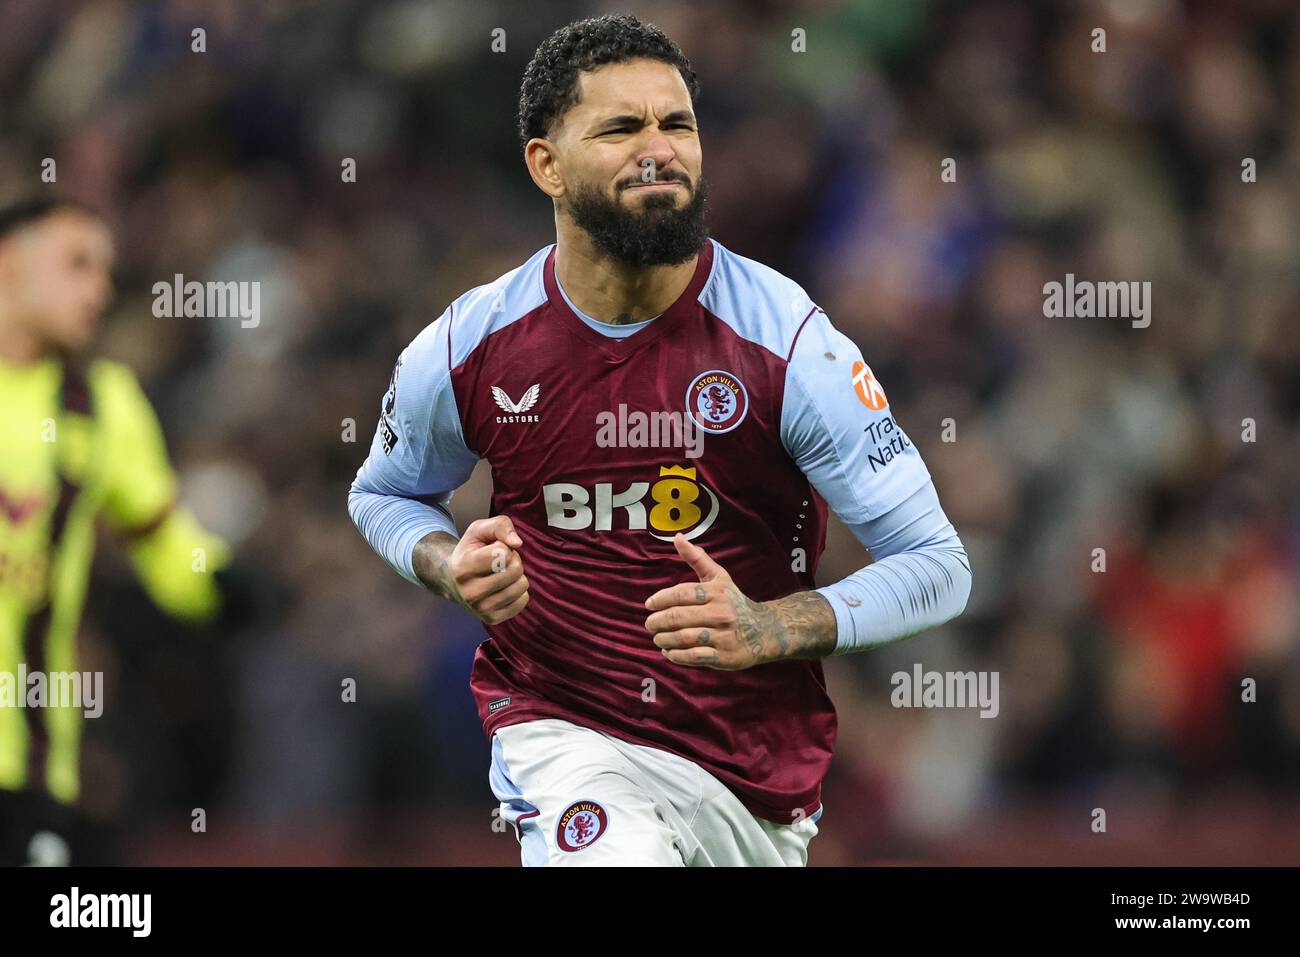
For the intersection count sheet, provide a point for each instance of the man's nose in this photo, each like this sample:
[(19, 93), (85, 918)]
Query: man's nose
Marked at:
[(655, 156)]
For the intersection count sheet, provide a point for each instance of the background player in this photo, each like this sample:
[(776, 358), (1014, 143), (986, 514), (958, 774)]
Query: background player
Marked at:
[(77, 440)]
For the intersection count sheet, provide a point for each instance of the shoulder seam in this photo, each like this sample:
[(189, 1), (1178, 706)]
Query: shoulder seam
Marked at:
[(479, 308), (451, 316), (775, 286), (789, 355)]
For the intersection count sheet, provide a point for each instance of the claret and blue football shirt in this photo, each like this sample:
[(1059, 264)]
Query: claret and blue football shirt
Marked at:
[(792, 421)]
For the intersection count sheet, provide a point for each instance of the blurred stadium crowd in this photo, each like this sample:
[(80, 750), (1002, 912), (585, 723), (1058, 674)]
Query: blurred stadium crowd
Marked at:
[(1119, 689)]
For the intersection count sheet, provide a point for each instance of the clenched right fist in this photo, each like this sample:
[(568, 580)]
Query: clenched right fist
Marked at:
[(482, 571)]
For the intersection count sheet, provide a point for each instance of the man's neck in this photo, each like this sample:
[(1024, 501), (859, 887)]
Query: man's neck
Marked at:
[(611, 292), (19, 347)]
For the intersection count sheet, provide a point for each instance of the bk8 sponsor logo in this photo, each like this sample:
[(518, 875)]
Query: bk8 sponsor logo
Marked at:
[(678, 503)]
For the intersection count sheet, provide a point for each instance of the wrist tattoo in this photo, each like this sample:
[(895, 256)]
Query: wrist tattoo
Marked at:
[(801, 625)]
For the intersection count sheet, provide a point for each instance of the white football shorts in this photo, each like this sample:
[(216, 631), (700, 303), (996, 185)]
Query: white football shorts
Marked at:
[(577, 796)]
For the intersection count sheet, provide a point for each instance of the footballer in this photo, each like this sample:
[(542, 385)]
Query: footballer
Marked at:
[(78, 442), (651, 685)]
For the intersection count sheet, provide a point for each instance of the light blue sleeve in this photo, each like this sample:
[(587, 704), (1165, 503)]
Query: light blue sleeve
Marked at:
[(838, 426), (920, 577), (418, 456)]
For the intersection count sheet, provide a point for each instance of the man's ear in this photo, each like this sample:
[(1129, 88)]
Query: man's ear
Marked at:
[(541, 158)]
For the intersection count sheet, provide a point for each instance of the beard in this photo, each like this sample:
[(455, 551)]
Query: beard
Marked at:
[(655, 234)]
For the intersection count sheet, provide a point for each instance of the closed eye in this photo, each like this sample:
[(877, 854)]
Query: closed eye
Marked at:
[(670, 126)]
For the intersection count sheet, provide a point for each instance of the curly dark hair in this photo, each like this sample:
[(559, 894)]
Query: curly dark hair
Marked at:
[(550, 85)]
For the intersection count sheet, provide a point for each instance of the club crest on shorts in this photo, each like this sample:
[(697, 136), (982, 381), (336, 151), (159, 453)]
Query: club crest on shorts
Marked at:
[(581, 825), (717, 401)]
